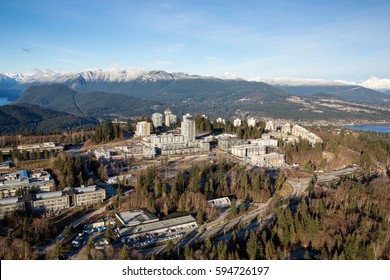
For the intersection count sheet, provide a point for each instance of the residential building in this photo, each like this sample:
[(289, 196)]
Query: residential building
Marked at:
[(270, 126), (237, 122), (226, 144), (302, 132), (268, 160), (248, 150), (87, 195), (170, 119), (157, 120), (49, 201), (10, 205), (252, 122), (220, 120), (22, 181), (188, 128), (142, 129)]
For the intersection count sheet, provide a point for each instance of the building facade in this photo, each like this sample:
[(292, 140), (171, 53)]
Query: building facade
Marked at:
[(10, 205), (50, 201), (142, 129), (188, 128), (157, 120)]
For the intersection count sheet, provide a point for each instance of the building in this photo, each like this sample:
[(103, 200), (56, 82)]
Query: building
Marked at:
[(170, 119), (157, 120), (160, 227), (135, 217), (286, 128), (302, 132), (87, 195), (47, 146), (10, 205), (188, 128), (268, 160), (220, 120), (173, 144), (50, 201), (103, 153), (136, 151), (24, 181), (219, 203), (142, 129), (248, 150), (270, 126), (252, 122), (6, 165), (237, 122), (226, 144)]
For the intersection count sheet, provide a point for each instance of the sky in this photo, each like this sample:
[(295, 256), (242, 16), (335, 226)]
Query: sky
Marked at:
[(336, 40)]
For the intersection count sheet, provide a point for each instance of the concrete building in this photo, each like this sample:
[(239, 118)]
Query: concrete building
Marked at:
[(157, 120), (268, 160), (87, 195), (252, 122), (160, 227), (265, 142), (50, 201), (170, 119), (135, 217), (10, 205), (248, 150), (136, 151), (226, 144), (103, 153), (302, 132), (286, 128), (142, 129), (22, 181), (188, 128), (237, 122), (270, 126)]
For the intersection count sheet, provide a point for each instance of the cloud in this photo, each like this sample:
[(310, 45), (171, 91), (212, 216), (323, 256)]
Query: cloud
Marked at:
[(27, 50)]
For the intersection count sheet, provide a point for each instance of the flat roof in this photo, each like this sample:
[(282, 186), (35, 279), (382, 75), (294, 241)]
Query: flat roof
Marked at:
[(8, 201), (135, 217), (157, 225)]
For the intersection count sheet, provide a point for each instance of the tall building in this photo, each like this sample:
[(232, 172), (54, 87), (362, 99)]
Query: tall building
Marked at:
[(252, 122), (170, 119), (157, 119), (237, 122), (143, 129), (188, 128)]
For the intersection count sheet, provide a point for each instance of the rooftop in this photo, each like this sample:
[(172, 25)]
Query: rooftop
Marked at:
[(150, 227), (135, 217)]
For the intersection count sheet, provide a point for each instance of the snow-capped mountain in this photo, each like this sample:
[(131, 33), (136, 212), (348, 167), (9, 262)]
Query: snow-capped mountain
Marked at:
[(373, 83), (297, 81), (377, 84)]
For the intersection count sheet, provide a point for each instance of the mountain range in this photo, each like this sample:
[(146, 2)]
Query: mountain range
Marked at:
[(120, 93)]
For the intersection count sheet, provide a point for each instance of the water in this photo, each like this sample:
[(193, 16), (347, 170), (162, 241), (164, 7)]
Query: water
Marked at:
[(4, 101), (376, 128)]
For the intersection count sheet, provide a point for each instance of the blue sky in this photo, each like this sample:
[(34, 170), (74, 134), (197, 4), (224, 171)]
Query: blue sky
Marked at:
[(345, 40)]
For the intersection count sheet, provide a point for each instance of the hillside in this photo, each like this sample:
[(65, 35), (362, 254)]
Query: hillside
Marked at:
[(93, 104), (103, 104), (30, 118), (344, 92), (55, 97)]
